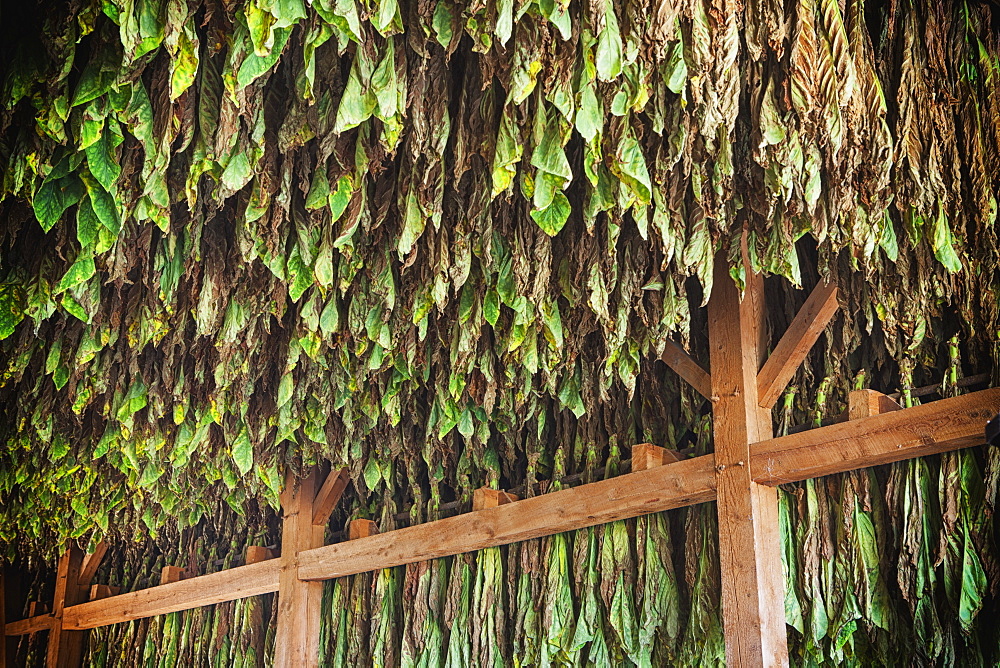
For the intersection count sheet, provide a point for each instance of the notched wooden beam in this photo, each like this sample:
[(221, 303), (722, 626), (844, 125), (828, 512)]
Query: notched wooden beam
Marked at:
[(484, 497), (866, 403), (257, 553), (939, 426), (171, 574), (329, 495), (361, 529), (677, 359), (33, 624), (99, 591), (219, 587), (646, 456), (796, 343)]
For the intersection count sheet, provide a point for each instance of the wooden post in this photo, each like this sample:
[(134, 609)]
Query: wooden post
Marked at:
[(749, 541), (3, 618), (296, 642), (65, 648)]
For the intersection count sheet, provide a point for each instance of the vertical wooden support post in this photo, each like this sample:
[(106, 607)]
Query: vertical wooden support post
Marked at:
[(3, 618), (65, 648), (296, 643), (749, 541)]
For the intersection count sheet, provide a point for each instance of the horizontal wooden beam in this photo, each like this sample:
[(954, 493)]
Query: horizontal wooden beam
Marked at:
[(30, 625), (227, 585), (939, 426), (797, 341), (662, 488), (677, 359)]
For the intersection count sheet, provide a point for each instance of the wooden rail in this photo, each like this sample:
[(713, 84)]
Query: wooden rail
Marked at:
[(939, 426)]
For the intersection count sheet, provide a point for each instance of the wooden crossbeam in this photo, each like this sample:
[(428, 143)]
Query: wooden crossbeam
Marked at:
[(683, 483), (677, 359), (753, 596), (227, 585), (4, 642), (796, 343), (29, 625), (938, 426), (671, 486), (329, 495)]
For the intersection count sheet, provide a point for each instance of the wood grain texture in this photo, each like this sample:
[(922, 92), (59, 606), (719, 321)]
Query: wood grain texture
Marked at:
[(65, 648), (296, 641), (227, 585), (934, 427), (753, 610), (3, 617), (99, 591), (91, 562), (329, 495), (671, 486), (646, 456), (795, 344), (865, 403), (484, 497), (361, 529), (29, 625), (258, 553), (939, 426), (678, 359)]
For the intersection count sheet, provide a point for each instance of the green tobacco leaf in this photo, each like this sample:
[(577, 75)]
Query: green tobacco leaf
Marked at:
[(943, 241), (554, 217), (609, 46), (256, 66), (184, 67), (243, 452), (53, 198), (104, 205), (80, 272), (87, 224), (101, 161), (442, 23), (12, 304)]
